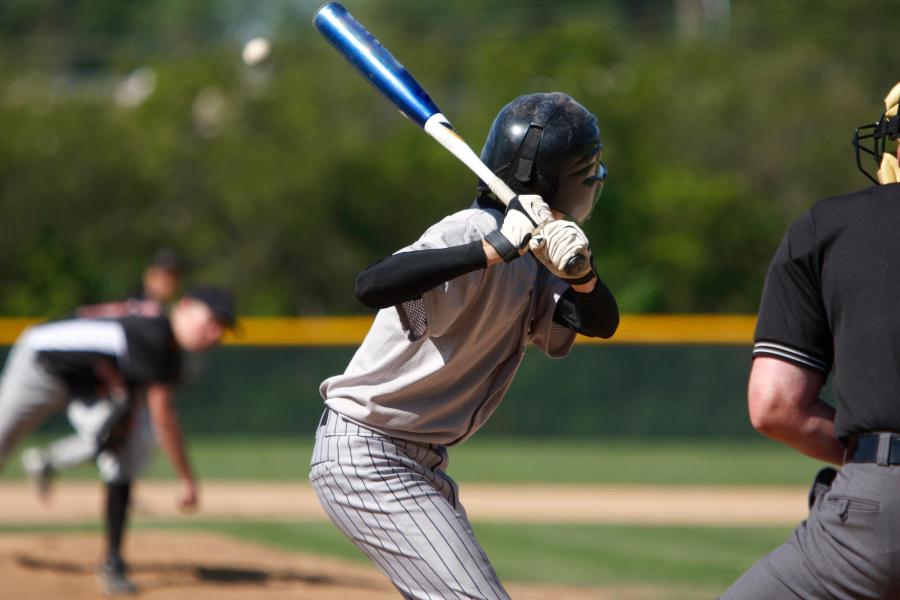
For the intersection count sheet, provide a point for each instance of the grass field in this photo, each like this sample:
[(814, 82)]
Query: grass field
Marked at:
[(703, 560), (749, 463)]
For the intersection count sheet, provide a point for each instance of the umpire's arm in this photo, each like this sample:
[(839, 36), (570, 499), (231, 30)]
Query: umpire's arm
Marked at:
[(784, 404), (167, 427)]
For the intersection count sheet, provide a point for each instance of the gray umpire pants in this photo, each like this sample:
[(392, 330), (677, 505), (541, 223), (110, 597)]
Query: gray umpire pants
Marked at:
[(28, 397), (392, 498), (848, 548)]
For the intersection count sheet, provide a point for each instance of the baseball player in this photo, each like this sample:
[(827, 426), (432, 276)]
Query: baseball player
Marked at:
[(160, 282), (458, 308), (127, 366), (161, 279), (830, 306)]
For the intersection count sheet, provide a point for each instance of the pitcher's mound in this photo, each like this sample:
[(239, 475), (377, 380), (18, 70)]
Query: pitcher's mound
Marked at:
[(200, 566)]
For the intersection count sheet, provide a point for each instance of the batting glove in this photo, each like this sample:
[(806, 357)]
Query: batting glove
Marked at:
[(556, 244), (523, 215)]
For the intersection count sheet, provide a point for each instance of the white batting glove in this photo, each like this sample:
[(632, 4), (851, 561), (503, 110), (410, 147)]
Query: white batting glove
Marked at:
[(565, 250), (523, 215)]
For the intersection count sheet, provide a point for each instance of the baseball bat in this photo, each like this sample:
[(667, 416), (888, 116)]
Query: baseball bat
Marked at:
[(388, 76)]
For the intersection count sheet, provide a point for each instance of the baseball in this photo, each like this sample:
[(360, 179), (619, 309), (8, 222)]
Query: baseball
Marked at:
[(256, 51)]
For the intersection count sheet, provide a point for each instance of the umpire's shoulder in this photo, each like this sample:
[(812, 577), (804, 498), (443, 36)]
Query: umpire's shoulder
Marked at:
[(839, 208)]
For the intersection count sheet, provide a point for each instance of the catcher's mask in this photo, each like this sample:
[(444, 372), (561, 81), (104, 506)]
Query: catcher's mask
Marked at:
[(548, 144), (871, 140)]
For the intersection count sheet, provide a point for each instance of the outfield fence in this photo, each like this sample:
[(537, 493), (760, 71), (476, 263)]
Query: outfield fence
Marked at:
[(669, 376)]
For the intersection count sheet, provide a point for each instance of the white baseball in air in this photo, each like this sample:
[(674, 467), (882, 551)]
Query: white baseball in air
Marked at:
[(256, 51)]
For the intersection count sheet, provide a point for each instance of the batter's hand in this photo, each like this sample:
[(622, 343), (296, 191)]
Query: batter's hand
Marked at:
[(556, 243), (523, 215), (187, 497)]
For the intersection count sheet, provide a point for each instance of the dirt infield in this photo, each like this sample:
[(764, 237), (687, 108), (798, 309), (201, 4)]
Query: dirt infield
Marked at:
[(202, 566), (80, 502), (196, 566)]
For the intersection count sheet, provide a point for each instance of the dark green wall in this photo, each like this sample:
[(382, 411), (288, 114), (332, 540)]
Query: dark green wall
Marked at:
[(617, 390)]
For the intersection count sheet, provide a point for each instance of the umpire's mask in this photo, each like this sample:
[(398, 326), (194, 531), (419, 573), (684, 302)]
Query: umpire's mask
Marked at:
[(548, 144)]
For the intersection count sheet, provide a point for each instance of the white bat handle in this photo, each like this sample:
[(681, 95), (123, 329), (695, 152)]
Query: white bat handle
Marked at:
[(438, 127)]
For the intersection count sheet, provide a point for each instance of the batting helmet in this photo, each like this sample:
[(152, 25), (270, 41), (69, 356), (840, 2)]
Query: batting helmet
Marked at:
[(872, 139), (548, 144)]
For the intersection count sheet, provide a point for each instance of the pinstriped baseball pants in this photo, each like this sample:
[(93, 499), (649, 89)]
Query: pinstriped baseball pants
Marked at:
[(392, 498)]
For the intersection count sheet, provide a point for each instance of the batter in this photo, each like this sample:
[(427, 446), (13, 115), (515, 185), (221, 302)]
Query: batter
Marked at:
[(458, 307)]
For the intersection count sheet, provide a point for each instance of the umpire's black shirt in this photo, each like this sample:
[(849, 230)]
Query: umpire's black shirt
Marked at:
[(832, 302)]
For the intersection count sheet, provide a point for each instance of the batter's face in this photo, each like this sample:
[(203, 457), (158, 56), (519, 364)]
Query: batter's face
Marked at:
[(580, 185), (195, 326)]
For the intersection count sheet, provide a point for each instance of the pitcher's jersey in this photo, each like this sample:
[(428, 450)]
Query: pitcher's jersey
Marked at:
[(142, 349), (433, 370)]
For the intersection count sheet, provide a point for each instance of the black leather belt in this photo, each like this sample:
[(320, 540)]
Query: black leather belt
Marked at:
[(882, 448)]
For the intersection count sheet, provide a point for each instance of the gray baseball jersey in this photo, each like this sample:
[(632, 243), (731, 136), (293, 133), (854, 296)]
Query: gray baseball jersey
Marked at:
[(429, 374), (433, 370)]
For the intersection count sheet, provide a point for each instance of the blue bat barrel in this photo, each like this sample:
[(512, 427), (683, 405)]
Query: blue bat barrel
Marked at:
[(373, 60)]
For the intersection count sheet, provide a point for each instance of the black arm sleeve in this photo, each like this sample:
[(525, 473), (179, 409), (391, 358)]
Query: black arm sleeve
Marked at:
[(594, 314), (407, 275)]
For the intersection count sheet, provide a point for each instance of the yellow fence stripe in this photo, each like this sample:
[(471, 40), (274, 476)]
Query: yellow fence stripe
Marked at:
[(300, 331), (349, 331), (681, 329), (10, 328)]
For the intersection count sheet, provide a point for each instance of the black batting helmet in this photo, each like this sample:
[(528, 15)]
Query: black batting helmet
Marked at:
[(548, 144)]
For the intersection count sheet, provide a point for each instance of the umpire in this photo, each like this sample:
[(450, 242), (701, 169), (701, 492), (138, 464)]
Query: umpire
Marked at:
[(830, 303)]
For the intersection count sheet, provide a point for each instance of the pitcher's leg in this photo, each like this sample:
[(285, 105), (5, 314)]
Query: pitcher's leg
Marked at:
[(28, 397)]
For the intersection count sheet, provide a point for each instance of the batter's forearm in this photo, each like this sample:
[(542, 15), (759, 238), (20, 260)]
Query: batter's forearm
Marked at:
[(407, 275)]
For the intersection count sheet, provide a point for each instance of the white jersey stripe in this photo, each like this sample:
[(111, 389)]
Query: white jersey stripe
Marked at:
[(773, 345), (792, 355), (105, 337)]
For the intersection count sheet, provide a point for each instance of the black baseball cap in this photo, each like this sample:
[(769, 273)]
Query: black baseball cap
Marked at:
[(168, 260), (221, 302)]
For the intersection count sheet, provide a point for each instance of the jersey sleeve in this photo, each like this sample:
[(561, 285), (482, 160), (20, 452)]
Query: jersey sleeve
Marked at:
[(552, 338), (793, 325), (439, 307)]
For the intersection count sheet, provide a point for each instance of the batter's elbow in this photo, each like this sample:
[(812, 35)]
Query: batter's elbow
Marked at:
[(611, 327), (604, 329), (366, 289)]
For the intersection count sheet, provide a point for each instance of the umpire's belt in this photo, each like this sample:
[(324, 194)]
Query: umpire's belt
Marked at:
[(882, 448)]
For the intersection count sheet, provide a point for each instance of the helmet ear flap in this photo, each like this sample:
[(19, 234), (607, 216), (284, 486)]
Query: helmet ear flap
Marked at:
[(523, 171), (534, 140)]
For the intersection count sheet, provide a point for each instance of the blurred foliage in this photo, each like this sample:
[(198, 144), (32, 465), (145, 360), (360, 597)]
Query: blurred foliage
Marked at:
[(133, 125)]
